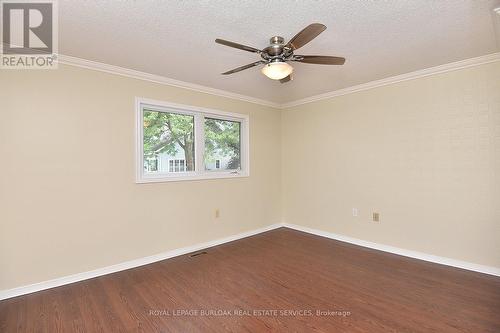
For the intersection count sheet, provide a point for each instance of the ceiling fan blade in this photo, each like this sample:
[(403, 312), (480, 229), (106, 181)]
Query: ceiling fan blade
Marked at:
[(244, 67), (237, 46), (306, 35), (286, 79), (321, 60)]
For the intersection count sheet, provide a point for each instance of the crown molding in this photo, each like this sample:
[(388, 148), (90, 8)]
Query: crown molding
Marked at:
[(98, 66), (131, 73), (489, 58)]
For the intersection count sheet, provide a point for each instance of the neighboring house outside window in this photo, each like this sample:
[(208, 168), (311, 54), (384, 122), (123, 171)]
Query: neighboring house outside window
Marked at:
[(165, 162)]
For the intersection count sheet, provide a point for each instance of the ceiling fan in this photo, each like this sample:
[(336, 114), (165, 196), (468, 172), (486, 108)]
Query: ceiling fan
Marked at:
[(277, 54)]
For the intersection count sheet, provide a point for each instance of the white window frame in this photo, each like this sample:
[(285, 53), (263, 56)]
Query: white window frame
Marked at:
[(199, 114)]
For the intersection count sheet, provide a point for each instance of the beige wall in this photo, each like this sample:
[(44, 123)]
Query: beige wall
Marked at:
[(68, 201), (424, 153)]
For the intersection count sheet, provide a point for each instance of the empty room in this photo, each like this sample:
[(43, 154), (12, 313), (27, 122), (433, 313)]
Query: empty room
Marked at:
[(250, 166)]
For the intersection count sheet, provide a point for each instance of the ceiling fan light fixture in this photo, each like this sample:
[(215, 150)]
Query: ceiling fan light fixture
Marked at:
[(277, 70)]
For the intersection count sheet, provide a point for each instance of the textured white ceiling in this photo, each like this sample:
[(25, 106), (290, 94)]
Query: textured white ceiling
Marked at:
[(379, 38)]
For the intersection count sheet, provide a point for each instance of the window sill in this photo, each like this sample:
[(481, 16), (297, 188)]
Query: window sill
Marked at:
[(144, 179)]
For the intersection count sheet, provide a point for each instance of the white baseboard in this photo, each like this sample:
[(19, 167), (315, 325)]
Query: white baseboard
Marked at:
[(4, 294), (407, 253)]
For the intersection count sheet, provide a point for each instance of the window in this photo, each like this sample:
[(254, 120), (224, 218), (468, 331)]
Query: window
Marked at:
[(177, 166), (178, 142), (222, 144), (151, 164)]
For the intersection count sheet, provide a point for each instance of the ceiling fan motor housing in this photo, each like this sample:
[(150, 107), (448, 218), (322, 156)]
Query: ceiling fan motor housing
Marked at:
[(277, 40), (275, 51)]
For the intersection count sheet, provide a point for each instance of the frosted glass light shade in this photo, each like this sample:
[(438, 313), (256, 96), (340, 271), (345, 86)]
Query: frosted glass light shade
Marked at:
[(277, 70)]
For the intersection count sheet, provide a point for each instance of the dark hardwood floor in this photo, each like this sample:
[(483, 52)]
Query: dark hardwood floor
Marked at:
[(275, 281)]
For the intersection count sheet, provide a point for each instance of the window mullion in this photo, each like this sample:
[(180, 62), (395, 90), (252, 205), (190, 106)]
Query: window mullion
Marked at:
[(199, 143)]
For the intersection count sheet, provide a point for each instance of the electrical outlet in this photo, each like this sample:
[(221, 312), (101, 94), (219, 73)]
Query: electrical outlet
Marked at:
[(217, 213), (355, 212), (376, 217)]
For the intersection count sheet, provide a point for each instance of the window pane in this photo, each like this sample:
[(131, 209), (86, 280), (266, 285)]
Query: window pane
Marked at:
[(222, 144), (168, 137)]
